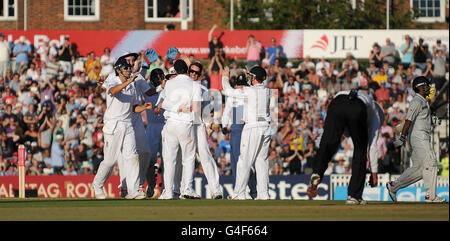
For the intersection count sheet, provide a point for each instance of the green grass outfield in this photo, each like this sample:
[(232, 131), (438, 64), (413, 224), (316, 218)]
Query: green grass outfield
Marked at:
[(46, 209)]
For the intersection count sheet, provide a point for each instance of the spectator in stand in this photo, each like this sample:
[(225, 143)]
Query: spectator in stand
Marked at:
[(389, 52), (322, 64), (31, 117), (382, 94), (86, 169), (372, 70), (301, 72), (394, 92), (215, 69), (350, 62), (398, 74), (324, 77), (53, 68), (72, 135), (5, 53), (58, 155), (407, 50), (224, 167), (65, 55), (415, 71), (340, 167), (22, 51), (307, 85), (376, 56), (275, 163), (274, 51), (44, 50), (313, 77), (14, 84), (107, 61), (386, 128), (308, 62), (294, 158), (92, 67), (381, 76), (291, 84), (46, 124), (349, 84), (333, 86), (69, 171), (214, 42), (78, 64), (224, 144), (429, 73), (420, 54), (253, 50), (439, 68)]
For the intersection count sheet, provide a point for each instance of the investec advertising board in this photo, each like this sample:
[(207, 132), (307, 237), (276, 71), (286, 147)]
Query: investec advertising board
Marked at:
[(407, 194), (337, 43), (280, 187)]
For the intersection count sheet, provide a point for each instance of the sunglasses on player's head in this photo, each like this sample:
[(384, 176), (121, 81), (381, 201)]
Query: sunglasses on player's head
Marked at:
[(193, 71), (126, 68)]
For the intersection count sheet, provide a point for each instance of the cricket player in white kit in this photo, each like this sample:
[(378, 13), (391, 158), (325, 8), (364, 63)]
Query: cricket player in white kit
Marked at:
[(200, 130), (178, 132), (142, 89), (417, 128), (256, 135), (232, 120), (120, 143)]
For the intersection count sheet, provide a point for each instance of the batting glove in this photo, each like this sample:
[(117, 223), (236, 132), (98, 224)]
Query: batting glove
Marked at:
[(150, 56), (400, 141), (173, 53)]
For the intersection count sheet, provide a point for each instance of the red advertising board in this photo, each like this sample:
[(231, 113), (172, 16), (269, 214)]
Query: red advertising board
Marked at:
[(58, 186), (188, 42)]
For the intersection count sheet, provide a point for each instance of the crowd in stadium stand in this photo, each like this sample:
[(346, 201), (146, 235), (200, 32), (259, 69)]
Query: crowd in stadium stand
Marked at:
[(49, 105)]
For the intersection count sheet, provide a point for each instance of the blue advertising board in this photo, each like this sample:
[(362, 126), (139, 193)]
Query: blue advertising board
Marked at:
[(292, 187), (407, 194)]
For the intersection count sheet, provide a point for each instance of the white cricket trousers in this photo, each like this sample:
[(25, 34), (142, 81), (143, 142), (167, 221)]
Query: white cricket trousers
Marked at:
[(424, 167), (255, 142), (206, 159), (143, 152), (177, 136), (121, 145)]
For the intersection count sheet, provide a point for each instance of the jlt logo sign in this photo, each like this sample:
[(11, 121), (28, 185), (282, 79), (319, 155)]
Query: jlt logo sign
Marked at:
[(337, 43)]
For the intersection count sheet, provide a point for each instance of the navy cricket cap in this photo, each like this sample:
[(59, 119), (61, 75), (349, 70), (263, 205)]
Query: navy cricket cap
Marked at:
[(121, 63), (241, 80), (259, 72)]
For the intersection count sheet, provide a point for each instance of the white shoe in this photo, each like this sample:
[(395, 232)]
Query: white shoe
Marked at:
[(258, 198), (131, 196), (166, 196), (141, 195), (354, 201), (98, 192), (190, 195), (235, 198), (436, 199), (392, 194)]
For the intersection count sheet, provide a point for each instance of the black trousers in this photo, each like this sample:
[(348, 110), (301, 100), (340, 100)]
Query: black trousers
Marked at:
[(343, 113)]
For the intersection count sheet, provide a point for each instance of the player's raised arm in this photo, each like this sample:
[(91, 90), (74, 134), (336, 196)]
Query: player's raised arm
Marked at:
[(227, 89)]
